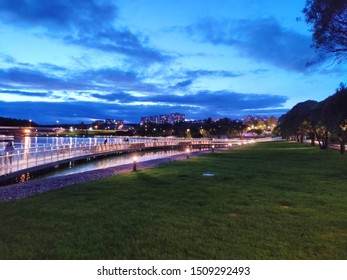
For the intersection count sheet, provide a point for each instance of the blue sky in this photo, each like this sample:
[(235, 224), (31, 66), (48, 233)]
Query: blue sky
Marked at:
[(77, 61)]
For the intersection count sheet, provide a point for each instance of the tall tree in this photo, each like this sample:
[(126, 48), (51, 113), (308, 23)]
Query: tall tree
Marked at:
[(295, 123), (328, 21), (331, 113)]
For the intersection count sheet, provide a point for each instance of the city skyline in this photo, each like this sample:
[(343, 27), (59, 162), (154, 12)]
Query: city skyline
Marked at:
[(88, 59)]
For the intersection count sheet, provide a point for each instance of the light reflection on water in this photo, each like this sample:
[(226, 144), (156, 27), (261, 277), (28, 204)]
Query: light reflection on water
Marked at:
[(113, 161)]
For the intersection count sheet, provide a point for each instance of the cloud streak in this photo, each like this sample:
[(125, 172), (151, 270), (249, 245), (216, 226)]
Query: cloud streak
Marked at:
[(90, 24), (104, 79), (263, 40), (123, 105)]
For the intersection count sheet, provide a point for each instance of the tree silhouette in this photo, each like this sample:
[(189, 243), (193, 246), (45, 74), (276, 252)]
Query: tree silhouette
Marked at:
[(328, 20)]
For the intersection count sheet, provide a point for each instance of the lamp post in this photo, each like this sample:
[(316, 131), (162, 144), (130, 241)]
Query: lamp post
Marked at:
[(187, 152), (134, 163), (212, 148)]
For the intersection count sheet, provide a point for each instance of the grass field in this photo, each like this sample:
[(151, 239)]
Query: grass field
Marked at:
[(273, 200)]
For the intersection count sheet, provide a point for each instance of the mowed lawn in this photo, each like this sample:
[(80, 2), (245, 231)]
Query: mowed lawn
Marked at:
[(274, 200)]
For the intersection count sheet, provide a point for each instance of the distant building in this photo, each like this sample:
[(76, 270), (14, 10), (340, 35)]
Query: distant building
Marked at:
[(177, 117), (144, 120), (154, 119), (162, 119)]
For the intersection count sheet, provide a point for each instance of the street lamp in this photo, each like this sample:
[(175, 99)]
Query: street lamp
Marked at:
[(134, 163), (187, 151)]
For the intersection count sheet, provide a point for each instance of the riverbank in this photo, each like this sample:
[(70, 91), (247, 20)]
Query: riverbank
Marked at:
[(29, 188)]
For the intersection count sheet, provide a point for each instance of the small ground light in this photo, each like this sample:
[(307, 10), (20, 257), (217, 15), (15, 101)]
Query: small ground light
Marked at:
[(187, 151), (134, 163), (212, 148), (229, 145)]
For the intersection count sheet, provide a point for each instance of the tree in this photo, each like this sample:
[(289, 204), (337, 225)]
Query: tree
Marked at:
[(16, 122), (295, 123), (328, 19), (331, 114), (325, 120)]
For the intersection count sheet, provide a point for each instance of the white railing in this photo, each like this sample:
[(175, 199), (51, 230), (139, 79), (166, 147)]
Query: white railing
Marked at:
[(23, 159)]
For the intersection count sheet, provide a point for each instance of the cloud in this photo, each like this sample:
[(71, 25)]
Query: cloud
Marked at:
[(120, 97), (229, 101), (87, 23), (103, 79), (263, 40), (183, 84), (122, 105), (26, 93), (28, 78), (215, 73), (187, 78), (7, 58)]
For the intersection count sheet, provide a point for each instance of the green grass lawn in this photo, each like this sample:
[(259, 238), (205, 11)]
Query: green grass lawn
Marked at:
[(273, 200)]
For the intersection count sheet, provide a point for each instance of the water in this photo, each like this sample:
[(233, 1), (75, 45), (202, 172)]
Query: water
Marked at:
[(112, 162), (40, 145)]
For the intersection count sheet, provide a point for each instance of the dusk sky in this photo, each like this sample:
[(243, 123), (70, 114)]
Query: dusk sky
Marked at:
[(76, 61)]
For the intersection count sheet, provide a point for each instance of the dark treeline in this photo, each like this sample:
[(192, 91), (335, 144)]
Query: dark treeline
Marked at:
[(16, 122), (208, 128), (323, 121), (225, 127)]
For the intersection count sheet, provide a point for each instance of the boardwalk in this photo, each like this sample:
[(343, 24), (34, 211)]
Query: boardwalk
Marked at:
[(35, 158)]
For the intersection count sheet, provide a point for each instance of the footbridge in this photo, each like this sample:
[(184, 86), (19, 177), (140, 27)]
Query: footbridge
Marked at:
[(36, 158)]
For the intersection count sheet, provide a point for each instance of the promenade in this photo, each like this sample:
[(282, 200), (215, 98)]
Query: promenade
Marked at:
[(36, 158)]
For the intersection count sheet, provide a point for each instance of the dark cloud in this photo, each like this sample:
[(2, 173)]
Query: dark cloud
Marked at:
[(7, 58), (88, 23), (59, 14), (216, 73), (28, 78), (264, 40), (27, 93), (50, 67), (104, 79), (183, 84), (75, 112), (123, 105), (120, 97), (190, 76), (214, 100), (119, 41)]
